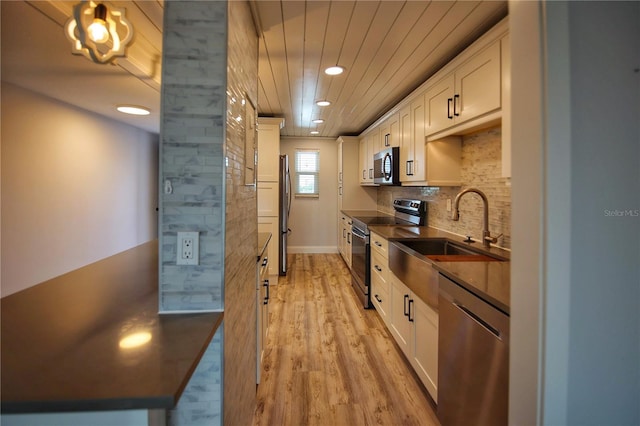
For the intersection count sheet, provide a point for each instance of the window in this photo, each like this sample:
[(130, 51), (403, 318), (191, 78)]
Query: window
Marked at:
[(307, 170)]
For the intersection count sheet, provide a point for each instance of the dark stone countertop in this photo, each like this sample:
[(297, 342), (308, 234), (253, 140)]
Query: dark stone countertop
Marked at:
[(364, 213), (488, 280), (61, 340), (263, 240)]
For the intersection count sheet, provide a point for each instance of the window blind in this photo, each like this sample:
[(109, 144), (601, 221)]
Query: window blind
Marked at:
[(307, 166)]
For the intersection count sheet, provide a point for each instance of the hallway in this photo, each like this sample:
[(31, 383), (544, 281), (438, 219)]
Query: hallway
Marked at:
[(330, 362)]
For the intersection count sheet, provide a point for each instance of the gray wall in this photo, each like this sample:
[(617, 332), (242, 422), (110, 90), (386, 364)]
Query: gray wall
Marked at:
[(76, 187), (604, 340), (576, 186)]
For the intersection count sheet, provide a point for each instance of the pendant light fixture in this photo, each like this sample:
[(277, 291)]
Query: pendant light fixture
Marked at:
[(99, 32)]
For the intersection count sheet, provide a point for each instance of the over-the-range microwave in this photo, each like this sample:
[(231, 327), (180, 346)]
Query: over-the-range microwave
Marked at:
[(386, 165)]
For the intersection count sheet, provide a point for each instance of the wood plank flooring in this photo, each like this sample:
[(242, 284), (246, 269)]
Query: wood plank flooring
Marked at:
[(328, 361)]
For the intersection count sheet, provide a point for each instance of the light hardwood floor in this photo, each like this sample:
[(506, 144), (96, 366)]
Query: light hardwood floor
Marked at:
[(328, 361)]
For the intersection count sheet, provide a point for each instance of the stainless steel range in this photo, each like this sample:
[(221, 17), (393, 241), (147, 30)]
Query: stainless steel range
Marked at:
[(407, 213)]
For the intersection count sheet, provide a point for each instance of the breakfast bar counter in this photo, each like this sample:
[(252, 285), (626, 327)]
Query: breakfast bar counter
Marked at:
[(93, 340)]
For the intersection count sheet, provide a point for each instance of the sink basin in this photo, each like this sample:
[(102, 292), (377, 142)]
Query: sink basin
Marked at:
[(436, 247), (411, 261)]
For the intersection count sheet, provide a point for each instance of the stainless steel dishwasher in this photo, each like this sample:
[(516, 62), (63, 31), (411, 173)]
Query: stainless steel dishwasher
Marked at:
[(473, 359)]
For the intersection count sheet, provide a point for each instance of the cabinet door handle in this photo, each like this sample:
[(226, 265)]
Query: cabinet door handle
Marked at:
[(348, 237), (344, 233), (378, 298), (410, 164), (265, 261), (364, 174), (449, 102), (386, 139), (377, 243), (265, 283), (377, 268), (370, 173), (340, 190), (456, 102), (410, 303), (406, 308)]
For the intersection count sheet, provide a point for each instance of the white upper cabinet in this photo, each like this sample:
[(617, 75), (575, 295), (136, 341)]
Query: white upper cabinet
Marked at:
[(269, 148), (422, 163), (469, 92), (369, 145), (390, 132)]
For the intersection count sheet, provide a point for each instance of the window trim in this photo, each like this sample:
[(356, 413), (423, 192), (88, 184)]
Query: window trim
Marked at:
[(298, 173)]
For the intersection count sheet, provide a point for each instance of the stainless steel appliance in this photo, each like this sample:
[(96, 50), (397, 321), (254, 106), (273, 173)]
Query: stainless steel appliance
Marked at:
[(386, 165), (473, 359), (284, 209), (407, 213)]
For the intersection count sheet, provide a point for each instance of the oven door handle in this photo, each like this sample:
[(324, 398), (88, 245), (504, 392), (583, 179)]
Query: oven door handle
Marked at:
[(358, 233)]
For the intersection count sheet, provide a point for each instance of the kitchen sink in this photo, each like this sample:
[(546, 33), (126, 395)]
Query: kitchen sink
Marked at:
[(436, 247), (411, 261)]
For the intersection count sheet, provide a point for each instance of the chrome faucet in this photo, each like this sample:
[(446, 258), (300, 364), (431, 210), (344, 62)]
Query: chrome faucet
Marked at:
[(487, 239)]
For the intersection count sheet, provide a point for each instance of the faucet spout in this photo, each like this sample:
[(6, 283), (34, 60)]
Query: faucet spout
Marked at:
[(487, 239)]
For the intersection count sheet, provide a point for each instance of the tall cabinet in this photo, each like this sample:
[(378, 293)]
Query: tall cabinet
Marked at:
[(351, 196), (267, 183)]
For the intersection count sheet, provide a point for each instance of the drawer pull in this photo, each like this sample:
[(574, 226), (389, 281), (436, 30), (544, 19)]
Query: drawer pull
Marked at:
[(378, 298), (406, 310), (377, 268)]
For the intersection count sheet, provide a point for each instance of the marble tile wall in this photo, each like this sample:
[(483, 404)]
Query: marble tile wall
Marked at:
[(201, 400), (481, 168), (241, 225), (192, 152), (192, 158)]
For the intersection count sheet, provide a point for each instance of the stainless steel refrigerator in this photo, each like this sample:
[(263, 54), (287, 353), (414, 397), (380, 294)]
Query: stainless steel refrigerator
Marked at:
[(283, 212)]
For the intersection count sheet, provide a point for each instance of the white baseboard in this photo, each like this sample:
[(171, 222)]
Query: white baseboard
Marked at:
[(312, 249)]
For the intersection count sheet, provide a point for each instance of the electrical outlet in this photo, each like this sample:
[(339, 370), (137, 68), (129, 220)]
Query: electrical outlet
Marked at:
[(449, 204), (188, 248)]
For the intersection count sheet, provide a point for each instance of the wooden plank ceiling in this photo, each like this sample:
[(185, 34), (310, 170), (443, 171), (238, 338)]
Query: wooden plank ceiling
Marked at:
[(388, 48)]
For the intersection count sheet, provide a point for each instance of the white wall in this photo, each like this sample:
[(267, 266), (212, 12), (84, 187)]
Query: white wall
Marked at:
[(76, 188), (313, 221)]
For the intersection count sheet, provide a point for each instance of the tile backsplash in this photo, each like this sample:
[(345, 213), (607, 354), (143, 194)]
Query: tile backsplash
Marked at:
[(481, 168)]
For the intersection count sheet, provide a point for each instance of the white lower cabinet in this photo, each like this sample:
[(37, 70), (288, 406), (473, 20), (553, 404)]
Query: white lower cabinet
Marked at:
[(424, 351), (400, 324), (380, 285), (414, 326), (412, 323), (345, 239), (262, 306)]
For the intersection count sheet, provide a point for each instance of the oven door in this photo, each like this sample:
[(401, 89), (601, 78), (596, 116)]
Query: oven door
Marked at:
[(360, 265)]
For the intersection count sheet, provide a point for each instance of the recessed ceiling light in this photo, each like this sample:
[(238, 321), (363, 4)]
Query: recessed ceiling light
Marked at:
[(318, 121), (314, 132), (133, 110), (334, 70), (323, 103)]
